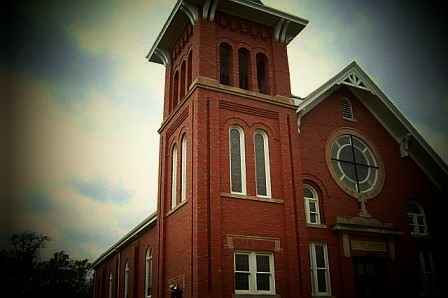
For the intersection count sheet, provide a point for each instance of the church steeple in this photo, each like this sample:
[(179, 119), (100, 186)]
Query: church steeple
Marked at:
[(228, 133)]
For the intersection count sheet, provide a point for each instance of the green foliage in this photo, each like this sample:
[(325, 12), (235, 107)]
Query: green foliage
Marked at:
[(23, 274)]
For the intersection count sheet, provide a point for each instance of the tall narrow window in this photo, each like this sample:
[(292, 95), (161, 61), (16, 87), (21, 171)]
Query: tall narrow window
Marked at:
[(262, 68), (182, 81), (183, 182), (416, 219), (111, 285), (148, 269), (126, 279), (99, 288), (262, 168), (174, 178), (319, 270), (237, 161), (347, 110), (425, 273), (311, 205), (189, 70), (225, 59), (243, 67), (175, 90)]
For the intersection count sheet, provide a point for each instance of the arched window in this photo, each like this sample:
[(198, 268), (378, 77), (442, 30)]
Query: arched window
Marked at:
[(262, 168), (237, 160), (311, 205), (175, 90), (262, 73), (183, 182), (126, 279), (416, 219), (182, 81), (189, 70), (174, 178), (148, 271), (225, 59), (99, 288), (243, 68), (111, 285), (347, 109)]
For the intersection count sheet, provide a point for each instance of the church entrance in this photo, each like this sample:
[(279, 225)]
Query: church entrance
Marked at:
[(371, 277)]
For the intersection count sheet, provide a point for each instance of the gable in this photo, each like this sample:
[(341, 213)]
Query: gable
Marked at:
[(403, 132)]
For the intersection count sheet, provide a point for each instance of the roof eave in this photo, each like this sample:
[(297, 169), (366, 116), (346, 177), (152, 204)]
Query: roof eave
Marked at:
[(147, 222), (289, 26)]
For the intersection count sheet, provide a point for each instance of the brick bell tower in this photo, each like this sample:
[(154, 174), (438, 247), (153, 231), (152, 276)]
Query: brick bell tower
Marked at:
[(230, 204)]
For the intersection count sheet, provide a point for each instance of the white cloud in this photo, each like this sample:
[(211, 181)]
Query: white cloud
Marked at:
[(100, 137)]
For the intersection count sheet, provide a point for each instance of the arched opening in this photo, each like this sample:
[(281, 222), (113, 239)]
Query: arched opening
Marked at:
[(225, 58), (182, 81), (189, 70), (174, 178), (183, 181), (262, 70), (243, 68), (175, 90)]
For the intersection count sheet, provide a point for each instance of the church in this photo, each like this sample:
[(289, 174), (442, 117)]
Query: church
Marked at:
[(264, 194)]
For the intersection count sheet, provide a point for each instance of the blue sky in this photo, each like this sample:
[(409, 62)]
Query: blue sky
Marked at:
[(85, 105)]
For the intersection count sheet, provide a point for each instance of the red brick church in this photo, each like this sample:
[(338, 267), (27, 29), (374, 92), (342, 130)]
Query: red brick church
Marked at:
[(263, 194)]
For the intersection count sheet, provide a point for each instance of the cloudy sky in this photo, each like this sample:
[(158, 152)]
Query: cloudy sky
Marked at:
[(85, 105)]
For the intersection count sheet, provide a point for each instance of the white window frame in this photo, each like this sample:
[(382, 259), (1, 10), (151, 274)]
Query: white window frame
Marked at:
[(126, 279), (111, 284), (253, 272), (414, 217), (174, 177), (243, 159), (314, 269), (148, 271), (308, 202), (183, 195), (427, 273), (267, 177)]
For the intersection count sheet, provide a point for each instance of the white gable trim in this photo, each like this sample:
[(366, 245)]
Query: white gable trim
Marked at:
[(410, 141)]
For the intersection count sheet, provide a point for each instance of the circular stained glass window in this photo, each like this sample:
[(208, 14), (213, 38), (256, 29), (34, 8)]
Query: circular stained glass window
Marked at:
[(354, 165)]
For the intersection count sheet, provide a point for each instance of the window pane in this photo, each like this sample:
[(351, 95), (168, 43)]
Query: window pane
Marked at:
[(241, 281), (320, 257), (263, 283), (308, 193), (346, 154), (235, 160), (363, 173), (412, 208), (313, 218), (349, 170), (260, 164), (322, 284), (241, 262), (312, 206), (263, 264)]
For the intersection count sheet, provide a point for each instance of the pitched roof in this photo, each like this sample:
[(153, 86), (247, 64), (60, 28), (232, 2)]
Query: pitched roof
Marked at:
[(411, 143), (132, 235)]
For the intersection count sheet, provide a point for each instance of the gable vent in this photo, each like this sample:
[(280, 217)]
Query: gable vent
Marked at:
[(347, 110)]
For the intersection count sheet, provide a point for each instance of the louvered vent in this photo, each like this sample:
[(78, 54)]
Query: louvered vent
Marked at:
[(347, 111)]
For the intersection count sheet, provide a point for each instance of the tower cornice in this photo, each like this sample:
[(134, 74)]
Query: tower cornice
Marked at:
[(286, 26)]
